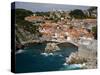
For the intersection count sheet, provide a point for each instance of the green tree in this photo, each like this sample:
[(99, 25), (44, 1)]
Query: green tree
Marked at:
[(29, 26), (20, 14), (77, 14), (94, 30)]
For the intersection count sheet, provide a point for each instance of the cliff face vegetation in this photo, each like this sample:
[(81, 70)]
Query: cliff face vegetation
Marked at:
[(25, 30)]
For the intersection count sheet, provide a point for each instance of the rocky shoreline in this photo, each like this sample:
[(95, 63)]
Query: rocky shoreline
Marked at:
[(86, 55), (30, 44), (75, 58)]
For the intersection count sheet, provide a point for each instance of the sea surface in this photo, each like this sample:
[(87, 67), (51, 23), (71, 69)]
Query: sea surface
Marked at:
[(34, 59)]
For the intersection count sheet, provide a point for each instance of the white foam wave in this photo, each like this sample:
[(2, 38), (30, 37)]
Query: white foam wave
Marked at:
[(61, 55), (51, 54), (65, 64), (77, 65), (20, 51), (47, 54)]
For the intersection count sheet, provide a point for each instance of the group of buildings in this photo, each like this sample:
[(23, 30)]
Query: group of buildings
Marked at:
[(64, 29)]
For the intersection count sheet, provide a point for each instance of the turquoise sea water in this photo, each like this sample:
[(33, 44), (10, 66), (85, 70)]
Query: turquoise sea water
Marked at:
[(33, 59)]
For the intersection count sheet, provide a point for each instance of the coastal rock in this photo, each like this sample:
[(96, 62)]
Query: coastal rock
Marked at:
[(51, 47), (19, 46), (89, 52), (74, 58)]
